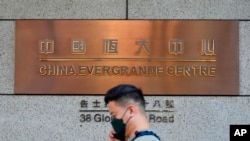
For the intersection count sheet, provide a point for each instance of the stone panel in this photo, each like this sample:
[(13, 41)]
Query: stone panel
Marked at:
[(189, 9), (244, 58), (62, 9), (57, 118), (7, 53)]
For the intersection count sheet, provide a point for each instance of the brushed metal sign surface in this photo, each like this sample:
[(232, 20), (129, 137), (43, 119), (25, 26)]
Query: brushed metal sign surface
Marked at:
[(163, 57)]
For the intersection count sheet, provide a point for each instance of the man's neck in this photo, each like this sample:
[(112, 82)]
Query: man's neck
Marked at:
[(138, 124)]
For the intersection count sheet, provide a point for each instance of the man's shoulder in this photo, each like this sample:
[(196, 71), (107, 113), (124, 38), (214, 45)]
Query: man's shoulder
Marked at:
[(147, 138), (146, 135)]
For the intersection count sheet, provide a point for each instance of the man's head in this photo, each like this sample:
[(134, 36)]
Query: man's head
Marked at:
[(124, 95), (126, 105)]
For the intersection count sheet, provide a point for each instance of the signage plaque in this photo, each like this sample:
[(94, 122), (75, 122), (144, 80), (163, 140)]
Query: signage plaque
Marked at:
[(163, 57)]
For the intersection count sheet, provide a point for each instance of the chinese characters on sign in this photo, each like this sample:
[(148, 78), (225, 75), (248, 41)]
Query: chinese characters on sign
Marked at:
[(78, 47), (143, 44), (46, 46), (110, 46), (208, 47), (175, 47)]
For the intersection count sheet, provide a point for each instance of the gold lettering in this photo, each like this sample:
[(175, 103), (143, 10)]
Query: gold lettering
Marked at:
[(212, 71), (83, 70), (142, 70), (58, 70), (90, 70), (159, 70), (133, 71), (124, 70), (151, 70), (195, 69), (116, 70), (179, 71), (204, 70), (98, 70), (187, 71), (106, 70), (201, 71), (71, 70), (61, 70), (42, 70), (170, 70), (51, 70)]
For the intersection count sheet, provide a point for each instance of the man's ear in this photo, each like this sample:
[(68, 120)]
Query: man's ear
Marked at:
[(132, 109)]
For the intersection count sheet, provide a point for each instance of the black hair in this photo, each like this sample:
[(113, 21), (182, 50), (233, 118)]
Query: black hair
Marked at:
[(124, 93)]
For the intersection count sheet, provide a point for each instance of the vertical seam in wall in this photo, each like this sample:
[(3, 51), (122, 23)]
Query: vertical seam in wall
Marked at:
[(126, 9)]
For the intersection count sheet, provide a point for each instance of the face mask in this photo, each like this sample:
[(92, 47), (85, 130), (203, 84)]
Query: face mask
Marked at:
[(119, 128)]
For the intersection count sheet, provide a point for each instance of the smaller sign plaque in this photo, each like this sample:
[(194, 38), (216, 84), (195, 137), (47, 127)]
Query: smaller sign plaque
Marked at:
[(163, 57)]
